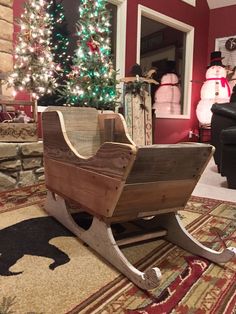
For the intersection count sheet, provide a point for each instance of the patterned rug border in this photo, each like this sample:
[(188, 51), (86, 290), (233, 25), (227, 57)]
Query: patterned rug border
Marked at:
[(36, 194)]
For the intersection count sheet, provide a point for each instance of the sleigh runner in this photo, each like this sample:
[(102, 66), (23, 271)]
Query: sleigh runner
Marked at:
[(91, 161)]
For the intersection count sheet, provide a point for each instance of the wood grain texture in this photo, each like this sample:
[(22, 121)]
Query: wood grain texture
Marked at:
[(169, 162), (95, 192), (111, 159), (99, 237), (121, 133), (136, 199), (120, 182), (79, 124)]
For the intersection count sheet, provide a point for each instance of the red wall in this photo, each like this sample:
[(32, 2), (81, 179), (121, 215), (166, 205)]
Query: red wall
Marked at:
[(222, 24), (169, 130)]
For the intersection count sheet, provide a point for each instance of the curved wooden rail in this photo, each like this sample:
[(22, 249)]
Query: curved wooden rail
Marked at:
[(100, 238)]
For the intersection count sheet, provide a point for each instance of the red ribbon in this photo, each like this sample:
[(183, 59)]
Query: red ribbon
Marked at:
[(170, 84), (224, 82)]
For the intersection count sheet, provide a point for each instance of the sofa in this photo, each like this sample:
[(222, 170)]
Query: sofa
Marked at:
[(223, 137)]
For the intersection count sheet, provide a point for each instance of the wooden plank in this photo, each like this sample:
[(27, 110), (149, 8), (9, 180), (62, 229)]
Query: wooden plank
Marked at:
[(111, 159), (170, 162), (120, 128), (18, 132), (148, 120), (133, 215), (78, 118), (154, 197), (138, 123), (109, 130), (142, 237), (12, 102), (91, 190), (81, 127)]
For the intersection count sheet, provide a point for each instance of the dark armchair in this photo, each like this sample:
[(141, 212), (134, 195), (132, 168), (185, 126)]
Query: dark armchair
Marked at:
[(223, 137)]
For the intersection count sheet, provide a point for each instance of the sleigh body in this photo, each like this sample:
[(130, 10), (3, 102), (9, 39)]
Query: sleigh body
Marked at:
[(91, 162)]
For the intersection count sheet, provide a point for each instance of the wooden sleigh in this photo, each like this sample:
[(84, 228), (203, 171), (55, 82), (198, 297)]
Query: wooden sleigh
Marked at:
[(91, 161)]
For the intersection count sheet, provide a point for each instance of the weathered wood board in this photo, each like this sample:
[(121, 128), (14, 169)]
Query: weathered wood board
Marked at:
[(138, 116)]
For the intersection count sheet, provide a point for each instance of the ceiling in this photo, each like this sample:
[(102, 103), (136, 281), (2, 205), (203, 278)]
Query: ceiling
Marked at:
[(214, 4)]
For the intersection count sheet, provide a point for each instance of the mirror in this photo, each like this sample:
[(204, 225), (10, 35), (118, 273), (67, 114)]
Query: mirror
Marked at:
[(164, 43)]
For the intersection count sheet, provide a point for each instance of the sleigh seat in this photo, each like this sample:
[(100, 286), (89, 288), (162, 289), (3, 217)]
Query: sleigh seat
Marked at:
[(93, 167)]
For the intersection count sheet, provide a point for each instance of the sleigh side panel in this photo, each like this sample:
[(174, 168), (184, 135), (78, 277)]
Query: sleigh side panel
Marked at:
[(95, 182), (162, 179)]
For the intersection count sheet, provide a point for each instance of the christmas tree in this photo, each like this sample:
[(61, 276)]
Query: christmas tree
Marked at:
[(92, 82), (60, 37), (59, 43), (34, 67)]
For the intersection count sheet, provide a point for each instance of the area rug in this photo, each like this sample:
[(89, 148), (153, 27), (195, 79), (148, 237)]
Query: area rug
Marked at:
[(45, 269)]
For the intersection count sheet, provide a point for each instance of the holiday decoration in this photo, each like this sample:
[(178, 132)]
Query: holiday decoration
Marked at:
[(138, 106), (59, 43), (215, 89), (34, 67), (60, 37), (231, 44), (167, 95), (92, 82)]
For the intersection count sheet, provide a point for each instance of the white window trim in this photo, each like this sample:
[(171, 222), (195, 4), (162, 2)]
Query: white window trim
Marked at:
[(120, 36), (189, 30), (191, 2)]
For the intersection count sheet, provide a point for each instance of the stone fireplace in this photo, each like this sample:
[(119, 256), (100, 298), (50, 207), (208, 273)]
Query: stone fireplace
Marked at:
[(21, 164)]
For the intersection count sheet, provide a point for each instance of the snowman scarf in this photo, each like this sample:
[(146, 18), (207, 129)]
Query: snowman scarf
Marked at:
[(224, 82)]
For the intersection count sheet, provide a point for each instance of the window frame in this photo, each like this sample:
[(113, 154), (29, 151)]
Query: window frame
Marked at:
[(120, 36), (188, 62)]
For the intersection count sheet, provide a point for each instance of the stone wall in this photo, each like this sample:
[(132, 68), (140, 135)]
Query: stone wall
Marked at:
[(21, 164), (6, 40)]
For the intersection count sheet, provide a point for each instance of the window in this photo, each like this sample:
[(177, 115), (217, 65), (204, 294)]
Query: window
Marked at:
[(177, 51)]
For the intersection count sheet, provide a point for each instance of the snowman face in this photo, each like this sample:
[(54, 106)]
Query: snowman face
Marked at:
[(215, 71)]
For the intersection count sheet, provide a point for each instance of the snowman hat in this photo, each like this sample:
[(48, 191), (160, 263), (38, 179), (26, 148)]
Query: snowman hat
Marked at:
[(216, 59), (170, 67)]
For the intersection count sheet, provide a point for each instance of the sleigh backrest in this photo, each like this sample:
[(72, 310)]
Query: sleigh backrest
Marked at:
[(81, 127), (87, 128)]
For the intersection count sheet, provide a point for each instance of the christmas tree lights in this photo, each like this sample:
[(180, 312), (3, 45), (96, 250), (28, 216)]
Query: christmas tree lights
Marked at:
[(59, 38), (34, 67), (59, 43), (92, 81)]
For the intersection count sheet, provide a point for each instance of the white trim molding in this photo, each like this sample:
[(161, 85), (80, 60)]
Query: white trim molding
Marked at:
[(120, 35), (191, 2), (188, 56)]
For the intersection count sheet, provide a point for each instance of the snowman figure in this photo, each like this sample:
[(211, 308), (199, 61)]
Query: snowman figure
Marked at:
[(215, 89), (167, 96)]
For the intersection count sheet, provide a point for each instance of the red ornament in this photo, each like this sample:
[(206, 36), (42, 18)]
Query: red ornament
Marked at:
[(93, 46)]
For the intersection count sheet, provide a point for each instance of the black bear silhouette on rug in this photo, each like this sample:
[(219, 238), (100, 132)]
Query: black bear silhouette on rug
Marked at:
[(32, 236)]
